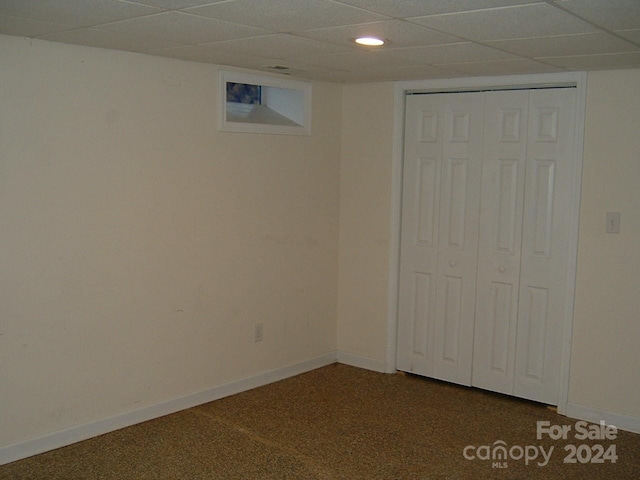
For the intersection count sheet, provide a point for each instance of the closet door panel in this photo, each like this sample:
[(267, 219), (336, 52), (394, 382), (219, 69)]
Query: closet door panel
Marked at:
[(458, 237), (545, 241), (419, 238), (503, 174)]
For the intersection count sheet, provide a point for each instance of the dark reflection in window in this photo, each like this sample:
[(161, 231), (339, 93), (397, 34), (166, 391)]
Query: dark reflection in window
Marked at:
[(244, 93)]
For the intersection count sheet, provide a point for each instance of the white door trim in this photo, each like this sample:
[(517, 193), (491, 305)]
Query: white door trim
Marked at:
[(577, 79)]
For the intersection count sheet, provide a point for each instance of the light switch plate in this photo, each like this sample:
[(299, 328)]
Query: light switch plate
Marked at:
[(613, 222)]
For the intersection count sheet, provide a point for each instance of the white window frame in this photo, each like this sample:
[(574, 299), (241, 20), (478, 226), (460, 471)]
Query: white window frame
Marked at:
[(296, 95)]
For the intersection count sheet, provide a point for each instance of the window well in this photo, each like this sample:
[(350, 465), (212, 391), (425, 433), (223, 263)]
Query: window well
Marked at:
[(262, 104)]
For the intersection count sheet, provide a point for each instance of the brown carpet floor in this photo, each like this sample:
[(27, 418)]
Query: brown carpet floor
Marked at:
[(336, 422)]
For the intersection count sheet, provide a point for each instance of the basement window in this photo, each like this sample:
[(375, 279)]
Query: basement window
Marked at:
[(262, 104)]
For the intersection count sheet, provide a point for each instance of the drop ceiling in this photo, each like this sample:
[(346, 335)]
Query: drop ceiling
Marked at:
[(313, 38)]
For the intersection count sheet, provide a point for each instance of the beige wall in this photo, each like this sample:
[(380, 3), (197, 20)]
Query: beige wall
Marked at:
[(139, 246), (606, 332), (365, 209), (605, 354)]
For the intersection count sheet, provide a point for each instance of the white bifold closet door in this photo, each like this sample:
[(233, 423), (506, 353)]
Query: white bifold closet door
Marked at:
[(439, 239), (483, 272)]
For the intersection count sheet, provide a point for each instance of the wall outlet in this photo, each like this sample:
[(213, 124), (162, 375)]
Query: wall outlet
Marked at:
[(258, 334), (613, 222)]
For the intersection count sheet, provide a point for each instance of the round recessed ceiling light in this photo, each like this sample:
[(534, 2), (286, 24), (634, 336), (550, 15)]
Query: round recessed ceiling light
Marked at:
[(369, 41)]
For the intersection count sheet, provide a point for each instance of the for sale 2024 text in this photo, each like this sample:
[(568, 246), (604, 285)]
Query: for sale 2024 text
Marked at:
[(592, 452), (582, 453)]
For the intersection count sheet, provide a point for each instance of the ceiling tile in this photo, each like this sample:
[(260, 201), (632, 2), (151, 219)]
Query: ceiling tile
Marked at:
[(287, 15), (423, 72), (93, 37), (503, 67), (208, 54), (337, 76), (177, 4), (358, 60), (399, 34), (596, 62), (169, 29), (610, 14), (526, 21), (279, 45), (25, 27), (631, 35), (79, 13), (565, 45), (417, 72), (299, 68), (419, 8), (455, 53)]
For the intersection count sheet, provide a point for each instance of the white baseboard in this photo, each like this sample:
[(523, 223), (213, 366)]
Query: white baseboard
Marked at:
[(68, 436), (361, 362), (77, 433), (622, 422)]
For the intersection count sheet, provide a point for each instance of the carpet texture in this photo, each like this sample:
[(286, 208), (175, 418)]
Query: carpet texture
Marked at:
[(341, 422)]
